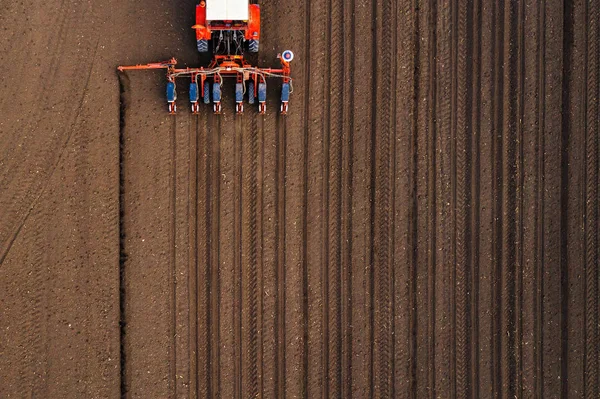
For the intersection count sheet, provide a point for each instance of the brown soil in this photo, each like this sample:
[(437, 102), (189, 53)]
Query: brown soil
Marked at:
[(424, 222)]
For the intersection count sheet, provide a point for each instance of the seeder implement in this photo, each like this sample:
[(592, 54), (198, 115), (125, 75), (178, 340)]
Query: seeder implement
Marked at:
[(228, 38)]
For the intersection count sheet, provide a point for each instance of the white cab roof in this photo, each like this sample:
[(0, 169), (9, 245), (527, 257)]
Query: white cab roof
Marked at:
[(219, 10)]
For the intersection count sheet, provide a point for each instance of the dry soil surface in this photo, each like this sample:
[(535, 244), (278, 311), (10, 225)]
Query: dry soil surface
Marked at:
[(423, 223)]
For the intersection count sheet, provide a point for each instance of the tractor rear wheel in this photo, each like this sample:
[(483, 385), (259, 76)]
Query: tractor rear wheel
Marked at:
[(251, 92), (253, 46), (206, 93), (202, 46)]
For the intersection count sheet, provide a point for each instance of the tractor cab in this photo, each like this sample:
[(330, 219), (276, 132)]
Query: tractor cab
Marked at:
[(227, 27)]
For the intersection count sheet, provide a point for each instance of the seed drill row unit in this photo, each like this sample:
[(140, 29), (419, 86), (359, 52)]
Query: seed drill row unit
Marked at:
[(227, 29)]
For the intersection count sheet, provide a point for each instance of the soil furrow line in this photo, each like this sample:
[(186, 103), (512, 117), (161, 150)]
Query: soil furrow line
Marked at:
[(382, 267), (530, 197), (193, 266), (280, 253), (497, 108), (474, 104), (591, 202), (204, 260), (410, 356), (123, 99), (333, 203), (260, 259), (238, 217), (269, 256), (444, 275), (215, 274), (540, 205), (361, 25), (462, 192), (506, 158), (346, 222), (172, 266), (316, 89), (250, 199), (554, 278), (564, 186), (431, 138), (519, 201), (33, 317), (306, 113)]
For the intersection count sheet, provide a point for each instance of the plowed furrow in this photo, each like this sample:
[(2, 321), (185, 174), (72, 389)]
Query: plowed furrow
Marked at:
[(591, 203), (346, 193), (333, 204), (280, 244), (194, 201), (507, 228), (250, 226), (474, 85), (316, 90), (384, 136), (172, 381), (445, 256), (462, 192)]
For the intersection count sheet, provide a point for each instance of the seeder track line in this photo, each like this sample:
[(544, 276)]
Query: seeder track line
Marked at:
[(383, 233), (239, 132), (316, 36), (332, 204), (205, 251), (173, 259), (346, 193), (193, 265), (280, 242), (249, 262), (215, 255), (473, 103), (592, 207), (462, 103), (506, 233)]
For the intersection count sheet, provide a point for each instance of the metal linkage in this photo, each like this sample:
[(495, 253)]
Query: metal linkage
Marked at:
[(248, 79)]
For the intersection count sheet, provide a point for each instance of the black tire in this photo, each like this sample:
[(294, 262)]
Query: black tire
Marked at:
[(202, 46), (206, 95), (253, 46), (250, 92)]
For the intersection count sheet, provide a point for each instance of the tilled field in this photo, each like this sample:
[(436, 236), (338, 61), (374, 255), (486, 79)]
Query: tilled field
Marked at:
[(424, 222)]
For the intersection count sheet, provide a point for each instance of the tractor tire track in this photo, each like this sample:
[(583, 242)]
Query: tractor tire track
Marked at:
[(268, 136), (506, 228), (280, 254), (332, 204), (172, 382), (591, 224), (317, 87), (239, 131), (473, 102), (462, 103), (206, 247), (346, 193), (384, 139), (195, 313), (444, 275), (250, 249)]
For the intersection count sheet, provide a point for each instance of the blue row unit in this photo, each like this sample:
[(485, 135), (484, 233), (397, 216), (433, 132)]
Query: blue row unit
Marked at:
[(285, 92), (262, 92), (206, 93), (216, 94), (194, 92), (171, 92), (239, 92), (251, 97)]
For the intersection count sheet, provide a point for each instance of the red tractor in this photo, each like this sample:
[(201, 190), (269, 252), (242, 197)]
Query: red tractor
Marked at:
[(227, 29)]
